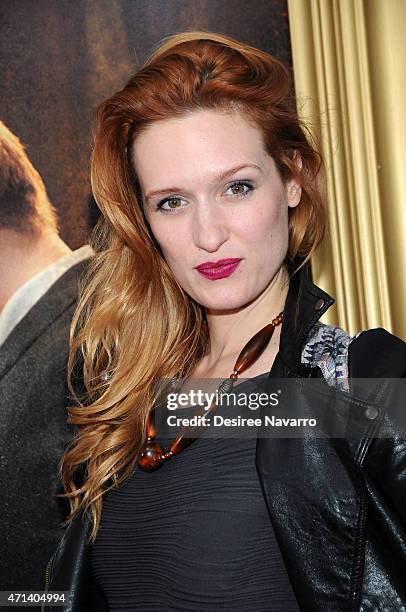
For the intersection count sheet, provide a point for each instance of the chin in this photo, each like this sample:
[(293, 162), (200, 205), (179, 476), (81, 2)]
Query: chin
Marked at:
[(223, 303)]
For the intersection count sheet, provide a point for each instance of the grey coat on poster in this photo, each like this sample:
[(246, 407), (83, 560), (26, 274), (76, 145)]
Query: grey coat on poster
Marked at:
[(33, 434)]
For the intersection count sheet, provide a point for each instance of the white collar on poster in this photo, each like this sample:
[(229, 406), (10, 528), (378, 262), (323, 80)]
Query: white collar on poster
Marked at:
[(31, 292)]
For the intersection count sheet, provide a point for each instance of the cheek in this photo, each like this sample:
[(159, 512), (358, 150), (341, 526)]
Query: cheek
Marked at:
[(270, 223), (172, 241)]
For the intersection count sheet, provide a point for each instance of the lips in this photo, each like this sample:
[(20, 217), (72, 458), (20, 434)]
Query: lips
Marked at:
[(218, 269), (208, 265)]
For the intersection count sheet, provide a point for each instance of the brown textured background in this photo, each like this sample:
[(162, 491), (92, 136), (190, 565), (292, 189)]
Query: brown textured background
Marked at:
[(60, 58)]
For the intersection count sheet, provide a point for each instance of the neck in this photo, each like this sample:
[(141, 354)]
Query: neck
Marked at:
[(22, 257), (229, 331)]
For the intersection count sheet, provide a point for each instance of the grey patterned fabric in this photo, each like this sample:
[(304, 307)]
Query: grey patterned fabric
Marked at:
[(326, 347)]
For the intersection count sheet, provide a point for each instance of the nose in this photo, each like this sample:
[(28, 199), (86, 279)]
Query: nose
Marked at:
[(210, 229)]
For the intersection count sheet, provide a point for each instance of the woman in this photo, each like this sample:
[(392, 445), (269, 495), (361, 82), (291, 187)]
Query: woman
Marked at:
[(210, 194)]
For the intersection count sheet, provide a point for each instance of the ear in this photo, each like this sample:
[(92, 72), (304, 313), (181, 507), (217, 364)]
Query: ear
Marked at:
[(293, 192), (293, 186)]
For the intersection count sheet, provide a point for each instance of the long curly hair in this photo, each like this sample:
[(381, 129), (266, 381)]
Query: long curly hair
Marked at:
[(134, 324)]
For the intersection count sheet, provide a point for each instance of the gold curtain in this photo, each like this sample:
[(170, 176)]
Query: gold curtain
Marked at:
[(348, 61)]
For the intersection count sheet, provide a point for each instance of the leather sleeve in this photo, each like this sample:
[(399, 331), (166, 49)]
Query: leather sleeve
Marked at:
[(376, 353), (70, 570)]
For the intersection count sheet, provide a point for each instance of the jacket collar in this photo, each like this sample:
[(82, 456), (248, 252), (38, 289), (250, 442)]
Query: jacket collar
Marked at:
[(305, 304), (61, 296)]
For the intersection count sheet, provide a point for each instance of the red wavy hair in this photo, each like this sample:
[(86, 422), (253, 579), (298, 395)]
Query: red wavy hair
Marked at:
[(134, 323)]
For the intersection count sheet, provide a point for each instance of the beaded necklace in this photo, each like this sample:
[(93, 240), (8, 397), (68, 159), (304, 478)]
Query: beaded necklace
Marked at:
[(152, 455)]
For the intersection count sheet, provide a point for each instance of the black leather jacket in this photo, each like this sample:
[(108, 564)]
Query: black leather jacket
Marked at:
[(338, 506)]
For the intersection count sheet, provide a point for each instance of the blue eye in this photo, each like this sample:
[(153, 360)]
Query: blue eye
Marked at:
[(173, 203), (243, 188)]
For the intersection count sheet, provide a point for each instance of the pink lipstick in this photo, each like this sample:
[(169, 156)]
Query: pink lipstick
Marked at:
[(214, 270)]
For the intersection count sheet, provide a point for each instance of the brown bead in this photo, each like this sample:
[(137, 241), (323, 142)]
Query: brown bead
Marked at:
[(253, 349), (277, 320), (151, 456), (180, 443), (150, 425)]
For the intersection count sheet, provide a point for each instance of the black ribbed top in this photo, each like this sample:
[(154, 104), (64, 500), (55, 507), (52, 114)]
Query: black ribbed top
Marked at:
[(194, 535)]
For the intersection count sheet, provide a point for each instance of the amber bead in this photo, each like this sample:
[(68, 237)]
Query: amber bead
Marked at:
[(253, 349), (151, 456)]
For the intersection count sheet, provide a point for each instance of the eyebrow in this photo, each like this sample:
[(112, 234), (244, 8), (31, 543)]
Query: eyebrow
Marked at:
[(218, 177)]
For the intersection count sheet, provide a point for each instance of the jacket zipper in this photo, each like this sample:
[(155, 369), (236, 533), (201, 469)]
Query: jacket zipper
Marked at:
[(358, 563), (359, 557), (47, 569)]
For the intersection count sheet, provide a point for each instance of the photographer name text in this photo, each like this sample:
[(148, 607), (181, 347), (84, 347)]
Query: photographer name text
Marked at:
[(217, 420)]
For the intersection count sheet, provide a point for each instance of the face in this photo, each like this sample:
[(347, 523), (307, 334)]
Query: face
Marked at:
[(216, 205)]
